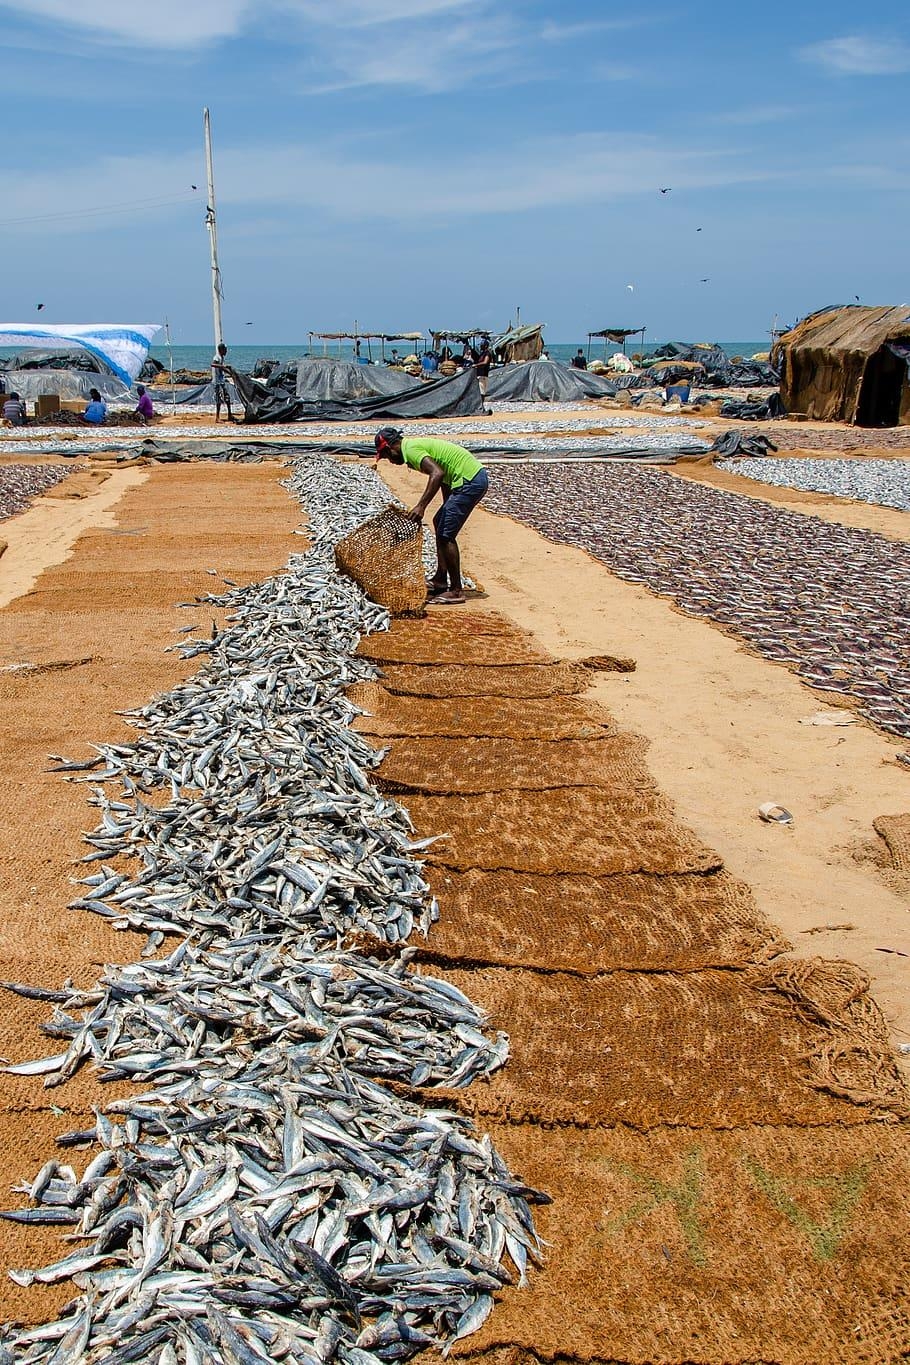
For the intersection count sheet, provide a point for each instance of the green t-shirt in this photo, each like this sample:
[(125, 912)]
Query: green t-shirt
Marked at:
[(458, 464)]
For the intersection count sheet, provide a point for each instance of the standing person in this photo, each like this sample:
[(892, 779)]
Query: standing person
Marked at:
[(219, 381), (462, 480), (144, 406), (578, 361), (14, 410), (483, 364), (96, 411)]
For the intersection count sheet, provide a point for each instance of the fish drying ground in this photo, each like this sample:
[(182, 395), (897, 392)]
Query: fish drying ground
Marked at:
[(886, 483), (421, 938), (829, 601)]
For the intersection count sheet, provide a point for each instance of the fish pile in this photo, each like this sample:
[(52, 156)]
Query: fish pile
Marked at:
[(885, 483), (278, 1186), (21, 483), (830, 601)]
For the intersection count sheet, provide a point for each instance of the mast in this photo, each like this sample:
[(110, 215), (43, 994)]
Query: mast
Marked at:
[(213, 229)]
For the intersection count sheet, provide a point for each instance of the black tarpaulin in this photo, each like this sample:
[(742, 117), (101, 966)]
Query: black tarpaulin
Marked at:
[(321, 379), (458, 396), (545, 381)]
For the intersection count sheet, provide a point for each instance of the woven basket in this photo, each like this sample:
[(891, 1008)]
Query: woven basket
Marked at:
[(384, 557)]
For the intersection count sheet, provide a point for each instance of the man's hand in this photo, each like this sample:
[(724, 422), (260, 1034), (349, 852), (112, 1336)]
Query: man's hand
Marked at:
[(416, 514)]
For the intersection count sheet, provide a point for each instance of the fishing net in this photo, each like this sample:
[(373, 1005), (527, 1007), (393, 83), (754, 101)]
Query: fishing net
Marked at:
[(506, 717), (585, 830), (491, 765), (585, 924), (474, 680), (384, 557), (763, 1244), (712, 1049)]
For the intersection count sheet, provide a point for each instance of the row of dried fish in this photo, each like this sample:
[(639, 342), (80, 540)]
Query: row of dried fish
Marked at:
[(281, 1188), (830, 601)]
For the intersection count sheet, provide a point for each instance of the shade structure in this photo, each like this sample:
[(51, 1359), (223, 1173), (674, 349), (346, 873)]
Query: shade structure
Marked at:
[(122, 347)]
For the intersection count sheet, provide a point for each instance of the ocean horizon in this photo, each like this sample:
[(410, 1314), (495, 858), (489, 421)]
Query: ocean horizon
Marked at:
[(199, 357)]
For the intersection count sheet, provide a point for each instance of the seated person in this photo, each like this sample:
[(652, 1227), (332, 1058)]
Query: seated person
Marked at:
[(429, 363), (144, 406), (96, 412), (578, 361), (14, 410)]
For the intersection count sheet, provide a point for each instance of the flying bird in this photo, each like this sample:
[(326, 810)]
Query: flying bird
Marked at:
[(631, 287), (698, 229), (247, 324), (39, 307), (706, 280), (193, 187), (856, 296), (667, 190)]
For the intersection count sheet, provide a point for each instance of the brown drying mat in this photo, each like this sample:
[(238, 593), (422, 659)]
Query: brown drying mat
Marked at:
[(492, 765), (98, 690), (503, 717), (131, 591), (895, 830), (589, 830), (713, 1049), (39, 636), (591, 924), (781, 1245), (474, 680), (461, 637)]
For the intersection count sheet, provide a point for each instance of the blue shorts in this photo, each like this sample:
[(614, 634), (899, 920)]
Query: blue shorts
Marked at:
[(459, 505)]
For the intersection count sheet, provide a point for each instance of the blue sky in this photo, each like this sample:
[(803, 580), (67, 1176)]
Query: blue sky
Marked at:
[(417, 163)]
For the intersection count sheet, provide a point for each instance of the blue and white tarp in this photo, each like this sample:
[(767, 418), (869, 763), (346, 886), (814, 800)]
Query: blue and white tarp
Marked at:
[(122, 346)]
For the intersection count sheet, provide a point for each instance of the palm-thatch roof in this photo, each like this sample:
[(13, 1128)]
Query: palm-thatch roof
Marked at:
[(838, 365)]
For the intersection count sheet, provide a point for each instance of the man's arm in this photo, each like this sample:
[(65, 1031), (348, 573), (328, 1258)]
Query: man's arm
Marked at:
[(435, 476)]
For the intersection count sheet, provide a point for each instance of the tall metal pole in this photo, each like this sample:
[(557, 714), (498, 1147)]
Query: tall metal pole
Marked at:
[(213, 230)]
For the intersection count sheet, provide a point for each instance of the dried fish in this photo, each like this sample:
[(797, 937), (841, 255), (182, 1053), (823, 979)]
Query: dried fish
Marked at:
[(278, 1184)]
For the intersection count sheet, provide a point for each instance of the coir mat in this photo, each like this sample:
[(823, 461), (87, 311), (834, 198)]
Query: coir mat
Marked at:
[(790, 1044), (475, 638), (637, 922), (475, 680), (779, 1244), (490, 765), (585, 830), (505, 717)]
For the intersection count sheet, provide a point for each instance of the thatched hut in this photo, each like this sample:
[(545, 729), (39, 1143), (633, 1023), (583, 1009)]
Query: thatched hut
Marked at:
[(848, 364), (520, 344)]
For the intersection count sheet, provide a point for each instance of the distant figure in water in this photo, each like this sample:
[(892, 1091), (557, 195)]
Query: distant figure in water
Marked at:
[(14, 410), (219, 382), (144, 406), (96, 411), (578, 361)]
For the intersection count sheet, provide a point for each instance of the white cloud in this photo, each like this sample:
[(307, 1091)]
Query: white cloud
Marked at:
[(165, 24), (348, 181), (175, 24), (428, 59), (855, 55)]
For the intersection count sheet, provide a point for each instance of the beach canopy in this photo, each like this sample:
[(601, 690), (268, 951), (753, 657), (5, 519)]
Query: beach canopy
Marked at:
[(123, 347)]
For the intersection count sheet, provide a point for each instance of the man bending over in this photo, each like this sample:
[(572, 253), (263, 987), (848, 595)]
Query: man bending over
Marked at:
[(462, 480)]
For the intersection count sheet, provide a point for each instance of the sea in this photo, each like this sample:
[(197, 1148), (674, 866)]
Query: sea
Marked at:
[(244, 357)]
